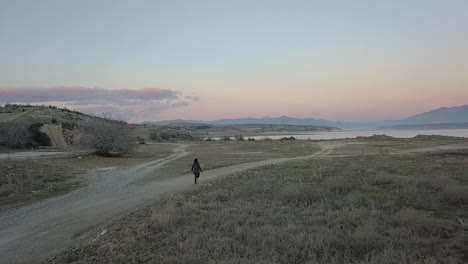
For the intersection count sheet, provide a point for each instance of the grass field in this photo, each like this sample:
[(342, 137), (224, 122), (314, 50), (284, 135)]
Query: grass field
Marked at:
[(359, 209), (216, 154), (369, 146), (33, 179)]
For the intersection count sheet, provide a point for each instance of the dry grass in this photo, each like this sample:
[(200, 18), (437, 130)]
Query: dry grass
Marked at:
[(22, 181), (340, 210), (356, 146), (164, 218), (455, 193), (33, 179), (216, 154)]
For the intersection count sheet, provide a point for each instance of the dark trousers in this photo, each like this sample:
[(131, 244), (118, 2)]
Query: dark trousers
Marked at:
[(196, 176)]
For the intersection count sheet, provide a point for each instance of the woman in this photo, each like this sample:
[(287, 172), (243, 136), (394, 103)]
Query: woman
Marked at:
[(196, 169)]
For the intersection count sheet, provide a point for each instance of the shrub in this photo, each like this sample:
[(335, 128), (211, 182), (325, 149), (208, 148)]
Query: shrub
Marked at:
[(69, 126), (170, 134), (110, 138), (16, 136), (140, 140), (154, 135), (239, 137), (226, 138)]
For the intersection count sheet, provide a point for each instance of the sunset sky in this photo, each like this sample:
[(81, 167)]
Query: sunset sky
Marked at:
[(156, 60)]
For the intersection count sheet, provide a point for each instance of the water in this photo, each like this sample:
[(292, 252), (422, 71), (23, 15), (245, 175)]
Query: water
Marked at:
[(353, 134)]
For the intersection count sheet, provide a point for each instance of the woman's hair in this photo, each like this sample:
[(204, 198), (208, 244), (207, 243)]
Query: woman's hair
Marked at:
[(195, 161)]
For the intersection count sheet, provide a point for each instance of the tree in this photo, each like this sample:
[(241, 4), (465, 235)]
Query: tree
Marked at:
[(110, 137)]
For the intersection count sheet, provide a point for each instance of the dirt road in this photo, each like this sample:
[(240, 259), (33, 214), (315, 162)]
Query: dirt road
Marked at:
[(30, 154), (34, 232)]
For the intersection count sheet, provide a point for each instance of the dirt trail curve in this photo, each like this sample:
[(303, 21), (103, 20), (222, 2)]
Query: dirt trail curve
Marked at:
[(34, 232)]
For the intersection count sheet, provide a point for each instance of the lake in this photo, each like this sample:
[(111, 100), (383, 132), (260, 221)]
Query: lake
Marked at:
[(366, 133)]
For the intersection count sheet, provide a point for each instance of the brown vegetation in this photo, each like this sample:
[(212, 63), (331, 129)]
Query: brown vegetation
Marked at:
[(18, 135), (333, 210), (33, 179), (110, 138), (167, 133)]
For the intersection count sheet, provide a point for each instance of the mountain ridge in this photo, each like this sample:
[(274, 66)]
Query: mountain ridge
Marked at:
[(457, 114)]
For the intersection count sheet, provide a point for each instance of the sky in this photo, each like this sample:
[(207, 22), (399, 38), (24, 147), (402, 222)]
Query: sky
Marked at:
[(148, 60)]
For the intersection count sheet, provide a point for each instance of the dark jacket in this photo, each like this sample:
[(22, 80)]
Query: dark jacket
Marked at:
[(196, 168)]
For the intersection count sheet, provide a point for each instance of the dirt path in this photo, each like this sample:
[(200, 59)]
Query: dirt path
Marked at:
[(30, 154), (34, 232)]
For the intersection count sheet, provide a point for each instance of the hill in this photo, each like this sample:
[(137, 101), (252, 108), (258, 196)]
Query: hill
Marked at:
[(458, 114), (31, 126), (29, 114)]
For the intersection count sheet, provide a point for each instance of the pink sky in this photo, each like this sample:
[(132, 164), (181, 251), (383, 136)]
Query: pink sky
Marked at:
[(155, 60)]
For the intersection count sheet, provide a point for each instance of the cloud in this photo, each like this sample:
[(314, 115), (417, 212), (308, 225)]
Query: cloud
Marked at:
[(131, 105), (77, 94), (192, 97)]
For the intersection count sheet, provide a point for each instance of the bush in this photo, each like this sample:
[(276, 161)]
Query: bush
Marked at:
[(69, 126), (239, 137), (169, 134), (110, 138), (16, 136)]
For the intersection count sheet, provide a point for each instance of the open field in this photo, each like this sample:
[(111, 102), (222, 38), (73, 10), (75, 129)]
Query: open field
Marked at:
[(378, 144), (32, 232), (30, 179), (405, 208), (216, 154), (263, 196)]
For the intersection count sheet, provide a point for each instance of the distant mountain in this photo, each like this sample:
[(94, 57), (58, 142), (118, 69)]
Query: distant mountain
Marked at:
[(458, 114), (282, 120), (444, 115), (177, 121)]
